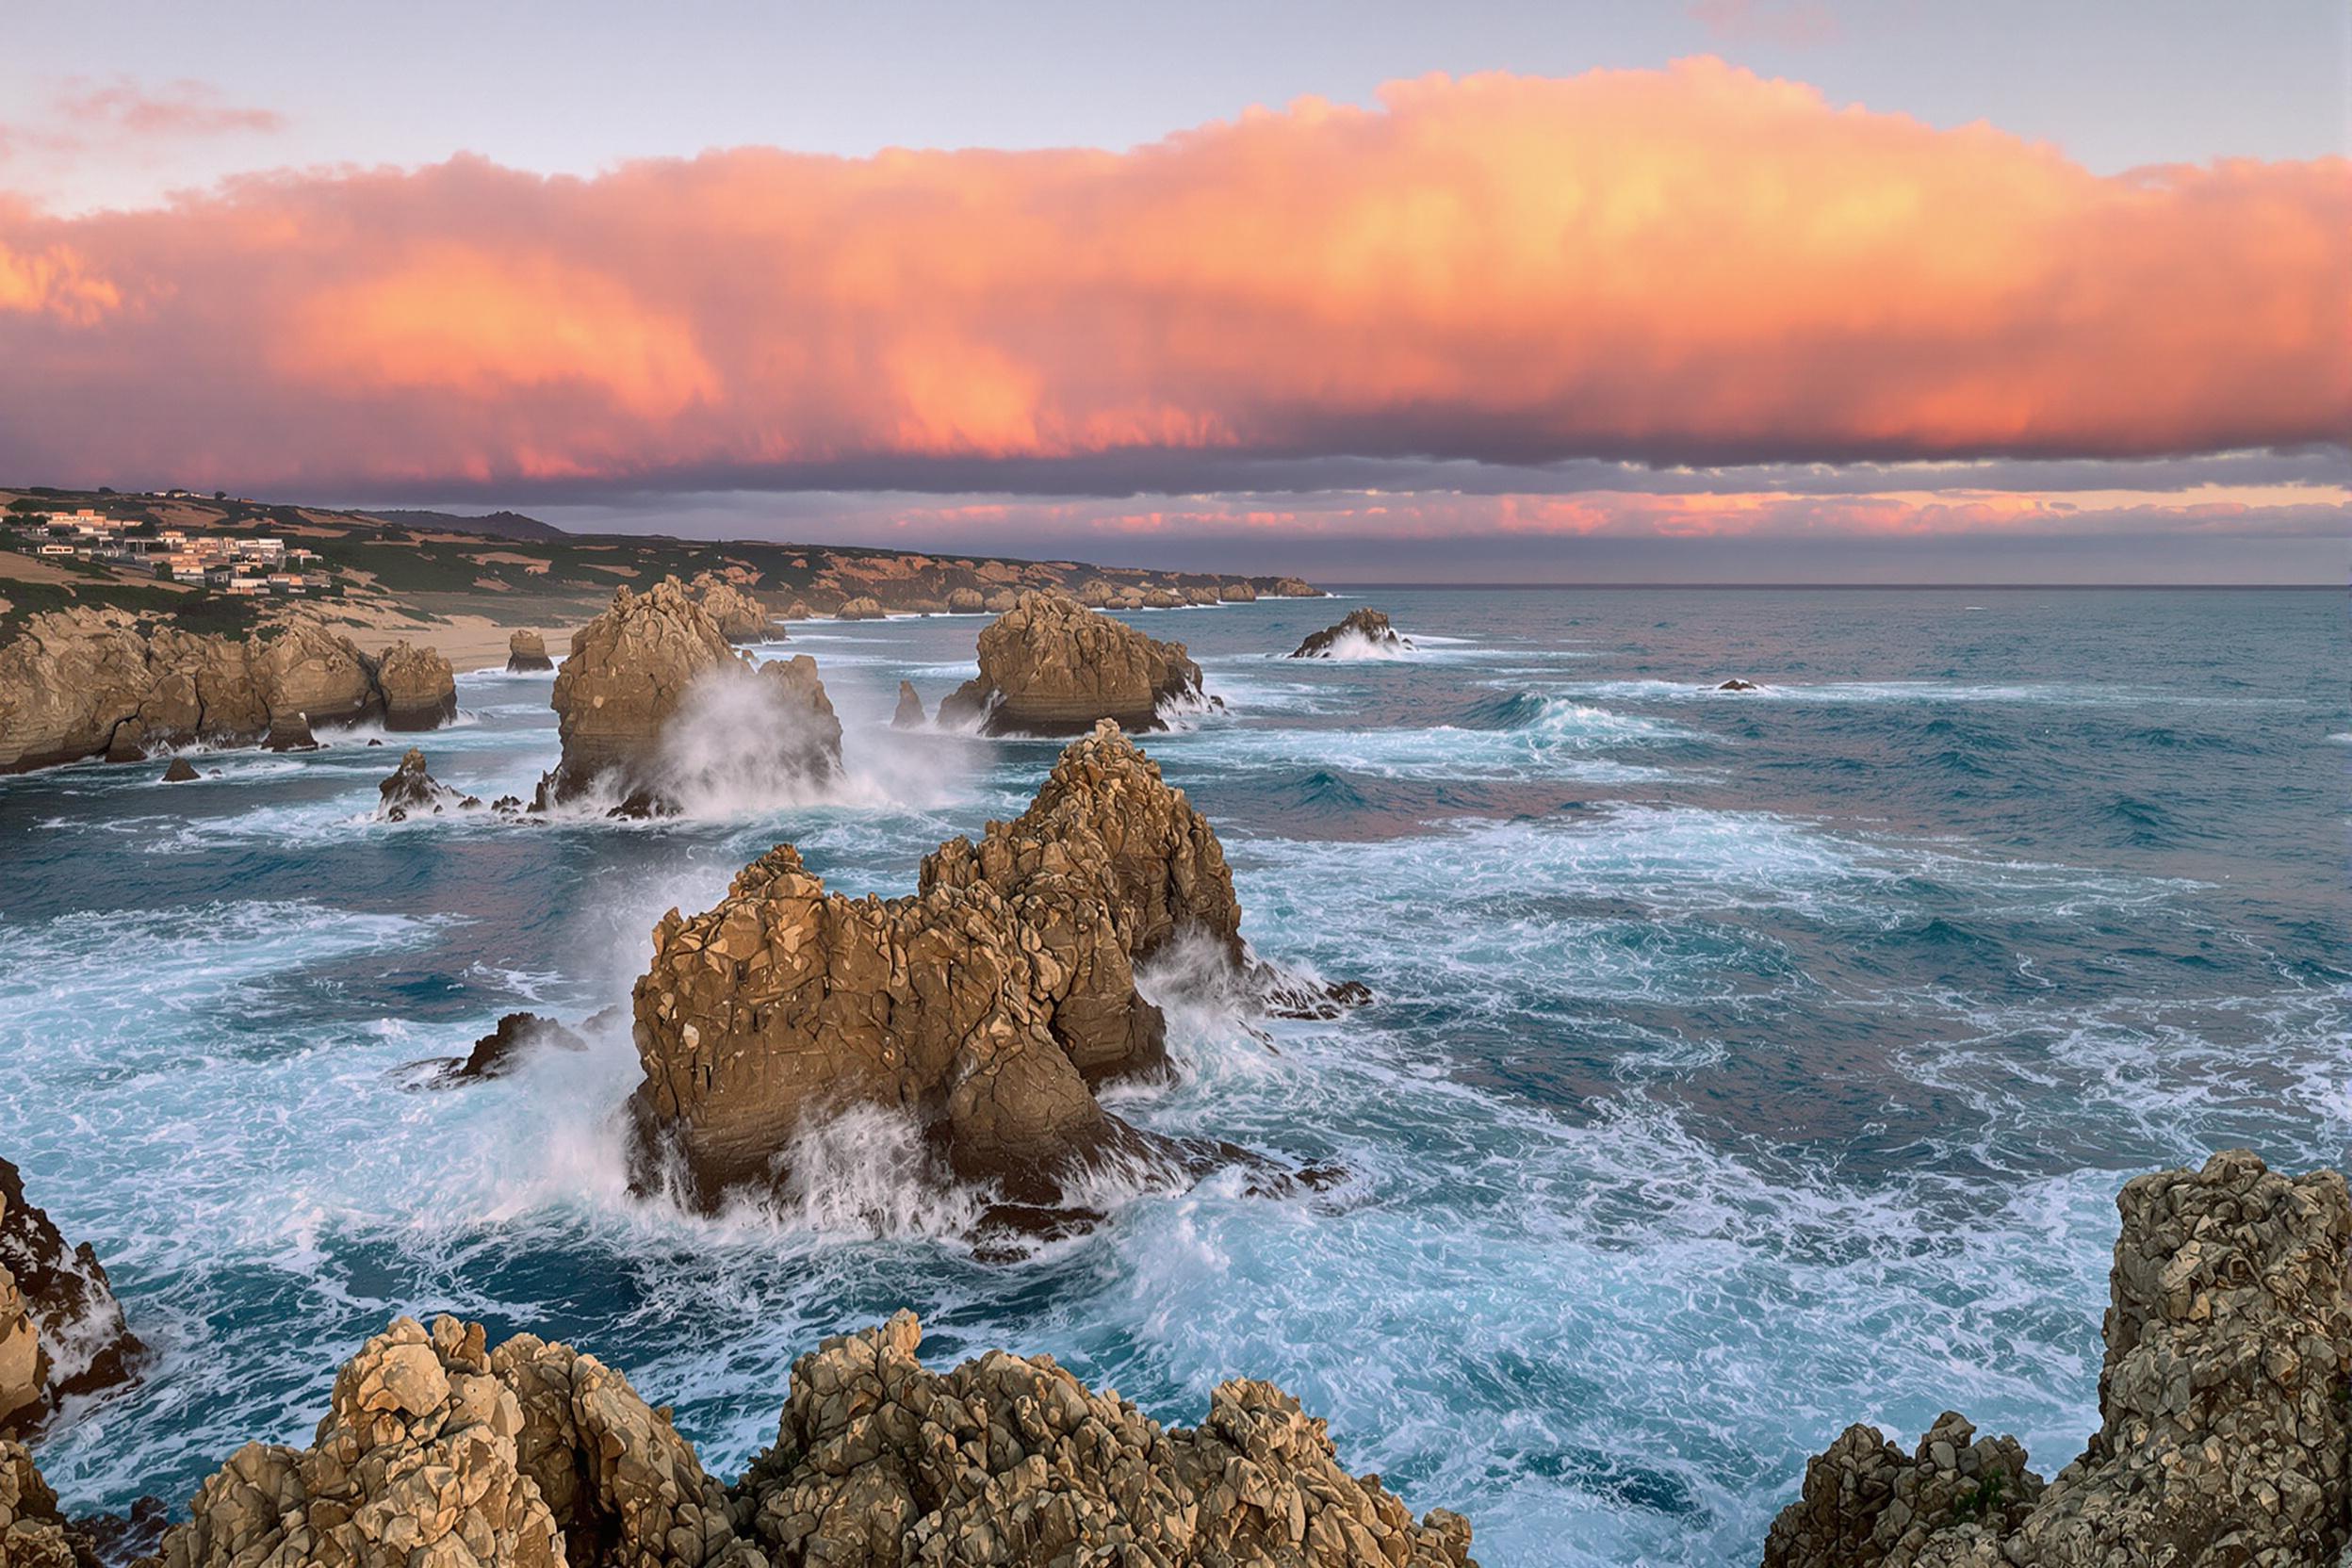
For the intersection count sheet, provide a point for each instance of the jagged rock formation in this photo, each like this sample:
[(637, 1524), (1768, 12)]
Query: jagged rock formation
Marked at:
[(986, 1008), (631, 673), (420, 688), (289, 731), (966, 601), (739, 614), (1237, 593), (412, 791), (1294, 588), (863, 608), (2224, 1433), (517, 1037), (77, 683), (880, 1461), (1368, 625), (61, 1331), (438, 1451), (910, 714), (1050, 666), (1095, 594), (181, 770), (1200, 595), (526, 653)]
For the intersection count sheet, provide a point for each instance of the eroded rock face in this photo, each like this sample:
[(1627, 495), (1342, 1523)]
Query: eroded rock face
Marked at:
[(1050, 666), (1295, 588), (289, 731), (910, 714), (1000, 601), (61, 1331), (84, 682), (517, 1038), (652, 700), (863, 608), (1368, 627), (880, 1463), (420, 688), (436, 1450), (2222, 1432), (32, 1531), (1237, 593), (738, 614), (181, 770), (413, 792), (526, 653), (966, 601)]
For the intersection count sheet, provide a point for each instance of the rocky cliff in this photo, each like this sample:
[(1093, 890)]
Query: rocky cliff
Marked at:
[(61, 1331), (1050, 666), (1368, 627), (2225, 1436), (986, 1008), (79, 683), (738, 614), (439, 1451), (652, 693)]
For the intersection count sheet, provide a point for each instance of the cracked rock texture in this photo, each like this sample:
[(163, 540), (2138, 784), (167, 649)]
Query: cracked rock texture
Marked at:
[(1049, 665), (61, 1331), (2223, 1438), (735, 610)]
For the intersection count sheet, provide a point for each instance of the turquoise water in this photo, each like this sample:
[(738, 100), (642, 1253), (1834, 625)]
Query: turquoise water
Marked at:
[(1745, 1065)]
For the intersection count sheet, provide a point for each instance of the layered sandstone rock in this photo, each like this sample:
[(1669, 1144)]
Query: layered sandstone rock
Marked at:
[(1161, 598), (1095, 594), (61, 1331), (880, 1463), (1200, 595), (863, 608), (966, 601), (1237, 593), (526, 653), (1366, 627), (1000, 601), (910, 714), (1051, 666), (420, 688), (2225, 1434), (652, 693), (1294, 588), (33, 1534), (84, 682), (438, 1451), (738, 614)]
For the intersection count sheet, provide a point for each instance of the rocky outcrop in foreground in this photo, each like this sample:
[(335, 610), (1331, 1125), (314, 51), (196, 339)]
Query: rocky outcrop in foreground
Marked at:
[(986, 1008), (526, 653), (2224, 1435), (82, 682), (655, 665), (439, 1451), (1051, 666), (1367, 626), (61, 1331)]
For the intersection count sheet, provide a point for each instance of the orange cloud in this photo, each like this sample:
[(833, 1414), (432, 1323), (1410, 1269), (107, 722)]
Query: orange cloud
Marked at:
[(54, 283), (1692, 265)]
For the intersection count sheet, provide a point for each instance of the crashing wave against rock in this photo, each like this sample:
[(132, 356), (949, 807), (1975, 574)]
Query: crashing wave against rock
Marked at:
[(988, 1007), (1366, 627), (2224, 1433), (61, 1331), (653, 701), (1050, 666), (438, 1450), (85, 682)]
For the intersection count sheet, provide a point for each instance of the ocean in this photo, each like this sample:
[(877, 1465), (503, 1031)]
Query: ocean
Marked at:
[(1743, 1064)]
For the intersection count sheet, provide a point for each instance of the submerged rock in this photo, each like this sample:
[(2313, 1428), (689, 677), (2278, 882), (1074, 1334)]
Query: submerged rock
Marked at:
[(653, 699), (910, 714), (526, 653), (738, 614), (181, 771), (1736, 684), (420, 688), (517, 1037), (2225, 1434), (1051, 666), (61, 1331), (1367, 625)]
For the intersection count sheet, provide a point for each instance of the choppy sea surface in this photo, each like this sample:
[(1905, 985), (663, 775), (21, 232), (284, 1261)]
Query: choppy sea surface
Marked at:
[(1743, 1064)]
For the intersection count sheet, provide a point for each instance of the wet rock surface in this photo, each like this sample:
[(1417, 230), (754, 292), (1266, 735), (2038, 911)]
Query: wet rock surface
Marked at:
[(517, 1038), (1736, 684), (61, 1331), (181, 771), (526, 653), (1367, 626), (2223, 1434), (909, 713), (1051, 666), (413, 792)]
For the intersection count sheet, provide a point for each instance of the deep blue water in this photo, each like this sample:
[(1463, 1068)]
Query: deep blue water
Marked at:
[(1745, 1065)]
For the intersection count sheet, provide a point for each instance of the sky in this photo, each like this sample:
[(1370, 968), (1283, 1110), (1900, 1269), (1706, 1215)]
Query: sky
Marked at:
[(1736, 290)]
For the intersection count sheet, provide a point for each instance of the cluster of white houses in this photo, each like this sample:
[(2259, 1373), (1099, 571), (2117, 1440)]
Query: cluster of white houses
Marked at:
[(232, 564)]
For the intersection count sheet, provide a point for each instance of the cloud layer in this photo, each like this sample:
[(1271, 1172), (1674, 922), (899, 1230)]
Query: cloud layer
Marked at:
[(1687, 266)]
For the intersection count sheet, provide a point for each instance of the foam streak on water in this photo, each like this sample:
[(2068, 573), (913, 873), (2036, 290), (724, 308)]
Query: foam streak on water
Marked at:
[(1744, 1062)]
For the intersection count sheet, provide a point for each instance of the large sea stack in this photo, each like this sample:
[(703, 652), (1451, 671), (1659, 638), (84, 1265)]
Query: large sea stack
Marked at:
[(1050, 666), (420, 688), (986, 1008), (526, 653), (83, 682), (2225, 1436), (61, 1331), (439, 1451), (623, 697)]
